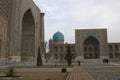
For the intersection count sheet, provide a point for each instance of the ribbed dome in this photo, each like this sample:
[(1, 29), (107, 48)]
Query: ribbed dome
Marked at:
[(58, 36)]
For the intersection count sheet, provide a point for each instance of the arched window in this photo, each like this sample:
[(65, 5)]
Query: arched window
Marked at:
[(56, 56), (61, 48), (110, 55), (56, 49), (110, 48), (116, 48)]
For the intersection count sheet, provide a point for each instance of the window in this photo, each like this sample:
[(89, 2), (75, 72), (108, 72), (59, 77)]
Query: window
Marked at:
[(56, 49), (111, 48), (61, 49), (117, 55), (116, 48), (96, 55), (110, 55), (95, 49), (61, 56), (56, 56), (90, 49)]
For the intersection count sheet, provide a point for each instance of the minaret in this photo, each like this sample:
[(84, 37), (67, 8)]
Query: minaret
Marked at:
[(42, 42), (42, 26)]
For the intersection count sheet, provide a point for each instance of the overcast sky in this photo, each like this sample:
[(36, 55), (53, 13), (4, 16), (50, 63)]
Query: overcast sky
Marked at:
[(67, 15)]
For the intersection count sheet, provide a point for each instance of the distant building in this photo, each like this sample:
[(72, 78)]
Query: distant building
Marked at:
[(90, 44), (114, 51), (58, 49)]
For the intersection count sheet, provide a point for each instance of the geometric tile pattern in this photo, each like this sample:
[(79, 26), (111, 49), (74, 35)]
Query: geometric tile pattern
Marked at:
[(4, 7)]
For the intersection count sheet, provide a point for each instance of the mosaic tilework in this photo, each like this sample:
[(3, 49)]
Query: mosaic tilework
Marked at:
[(4, 7)]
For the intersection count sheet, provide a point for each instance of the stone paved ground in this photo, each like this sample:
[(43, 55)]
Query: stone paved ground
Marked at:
[(79, 73), (87, 71), (103, 71)]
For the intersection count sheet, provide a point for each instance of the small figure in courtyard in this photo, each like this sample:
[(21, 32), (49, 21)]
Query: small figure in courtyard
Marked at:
[(79, 62), (105, 61)]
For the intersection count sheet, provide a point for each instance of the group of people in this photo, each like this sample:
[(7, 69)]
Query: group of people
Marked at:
[(105, 61)]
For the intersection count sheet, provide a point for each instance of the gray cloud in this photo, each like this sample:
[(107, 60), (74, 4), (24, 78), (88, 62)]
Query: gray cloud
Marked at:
[(68, 15)]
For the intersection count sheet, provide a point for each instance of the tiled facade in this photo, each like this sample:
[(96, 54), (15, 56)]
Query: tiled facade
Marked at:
[(22, 30), (5, 7)]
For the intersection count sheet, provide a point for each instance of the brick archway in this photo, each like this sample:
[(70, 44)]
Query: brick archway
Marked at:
[(28, 37), (91, 48)]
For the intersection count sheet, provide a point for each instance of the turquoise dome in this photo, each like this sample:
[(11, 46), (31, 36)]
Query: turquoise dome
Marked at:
[(58, 36)]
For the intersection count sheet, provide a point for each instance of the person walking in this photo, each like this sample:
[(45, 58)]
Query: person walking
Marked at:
[(79, 62)]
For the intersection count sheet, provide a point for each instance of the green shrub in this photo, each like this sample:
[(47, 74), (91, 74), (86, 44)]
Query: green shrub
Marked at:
[(10, 72), (63, 70)]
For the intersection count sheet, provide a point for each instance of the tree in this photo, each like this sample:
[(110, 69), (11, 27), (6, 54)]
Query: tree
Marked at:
[(68, 56), (41, 53), (39, 59), (10, 72)]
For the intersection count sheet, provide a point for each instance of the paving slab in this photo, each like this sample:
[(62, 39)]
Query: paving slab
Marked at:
[(79, 73)]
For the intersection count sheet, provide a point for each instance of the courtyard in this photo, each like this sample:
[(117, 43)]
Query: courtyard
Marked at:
[(86, 71), (33, 73), (104, 71)]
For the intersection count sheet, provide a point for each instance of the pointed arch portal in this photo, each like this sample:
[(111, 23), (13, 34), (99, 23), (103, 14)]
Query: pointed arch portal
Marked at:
[(28, 36), (91, 48)]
